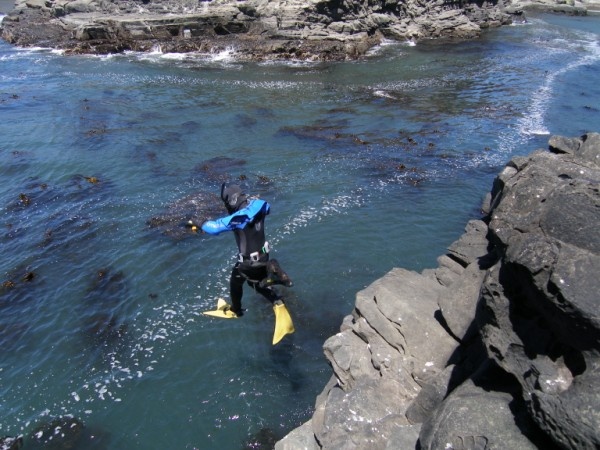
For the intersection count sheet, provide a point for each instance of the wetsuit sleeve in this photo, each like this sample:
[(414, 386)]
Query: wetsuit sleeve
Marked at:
[(216, 226), (237, 220)]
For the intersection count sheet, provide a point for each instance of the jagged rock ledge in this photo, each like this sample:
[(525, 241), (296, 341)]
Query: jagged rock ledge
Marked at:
[(499, 346), (257, 29)]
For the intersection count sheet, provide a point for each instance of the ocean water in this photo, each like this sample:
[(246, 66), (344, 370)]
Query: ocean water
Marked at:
[(368, 165)]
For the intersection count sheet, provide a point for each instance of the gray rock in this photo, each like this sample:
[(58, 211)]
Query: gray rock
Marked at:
[(408, 301), (350, 358), (80, 6), (363, 417), (301, 438), (459, 303), (447, 272), (520, 299), (472, 245), (472, 418), (404, 437), (539, 307), (571, 7), (430, 396), (392, 343), (258, 29)]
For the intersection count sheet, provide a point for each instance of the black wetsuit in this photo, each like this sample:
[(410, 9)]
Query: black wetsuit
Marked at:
[(247, 220), (250, 241)]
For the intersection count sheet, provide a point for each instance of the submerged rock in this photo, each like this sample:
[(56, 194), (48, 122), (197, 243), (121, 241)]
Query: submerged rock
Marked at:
[(61, 433), (498, 347), (11, 443), (65, 433), (264, 439)]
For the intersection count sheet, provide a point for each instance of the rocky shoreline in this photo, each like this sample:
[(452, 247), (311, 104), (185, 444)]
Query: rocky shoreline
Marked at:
[(256, 29), (499, 346)]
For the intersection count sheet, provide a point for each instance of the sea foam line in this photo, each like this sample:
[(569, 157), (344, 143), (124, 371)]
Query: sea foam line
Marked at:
[(533, 122)]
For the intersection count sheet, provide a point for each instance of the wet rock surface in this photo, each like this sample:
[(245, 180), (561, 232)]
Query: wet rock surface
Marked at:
[(497, 347), (256, 29)]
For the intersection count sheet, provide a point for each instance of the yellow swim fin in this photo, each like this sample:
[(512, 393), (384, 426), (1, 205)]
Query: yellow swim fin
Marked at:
[(223, 311), (283, 322)]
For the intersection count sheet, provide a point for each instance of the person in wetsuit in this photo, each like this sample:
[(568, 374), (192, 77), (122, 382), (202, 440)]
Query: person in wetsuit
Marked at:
[(247, 221)]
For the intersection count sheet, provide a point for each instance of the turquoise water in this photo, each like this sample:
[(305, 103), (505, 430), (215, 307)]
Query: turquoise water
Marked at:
[(368, 165)]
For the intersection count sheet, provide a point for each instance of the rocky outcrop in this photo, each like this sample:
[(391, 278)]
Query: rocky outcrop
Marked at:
[(570, 7), (497, 347), (257, 29)]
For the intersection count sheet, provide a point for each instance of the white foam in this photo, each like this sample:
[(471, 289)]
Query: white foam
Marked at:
[(224, 55), (337, 205), (533, 122), (379, 47), (175, 56), (382, 93)]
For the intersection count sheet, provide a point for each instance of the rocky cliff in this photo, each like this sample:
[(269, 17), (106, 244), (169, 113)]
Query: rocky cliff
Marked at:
[(257, 29), (499, 346)]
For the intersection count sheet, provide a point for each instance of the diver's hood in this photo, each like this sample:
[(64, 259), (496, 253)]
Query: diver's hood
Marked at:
[(233, 196)]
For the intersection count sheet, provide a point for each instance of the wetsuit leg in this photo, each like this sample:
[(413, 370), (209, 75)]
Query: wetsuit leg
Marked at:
[(254, 274), (266, 292), (236, 283)]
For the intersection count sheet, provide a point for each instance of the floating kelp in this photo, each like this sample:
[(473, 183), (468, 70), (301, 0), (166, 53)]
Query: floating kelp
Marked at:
[(96, 131), (190, 126), (392, 170), (104, 329), (184, 216), (83, 189), (108, 286), (33, 195), (218, 170), (84, 181), (246, 120), (24, 199), (9, 284), (29, 276), (101, 318), (64, 230), (34, 192), (92, 180), (197, 208), (18, 277), (312, 132), (4, 97), (332, 135)]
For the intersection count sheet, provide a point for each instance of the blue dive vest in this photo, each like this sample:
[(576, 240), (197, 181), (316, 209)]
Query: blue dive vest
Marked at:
[(239, 219)]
